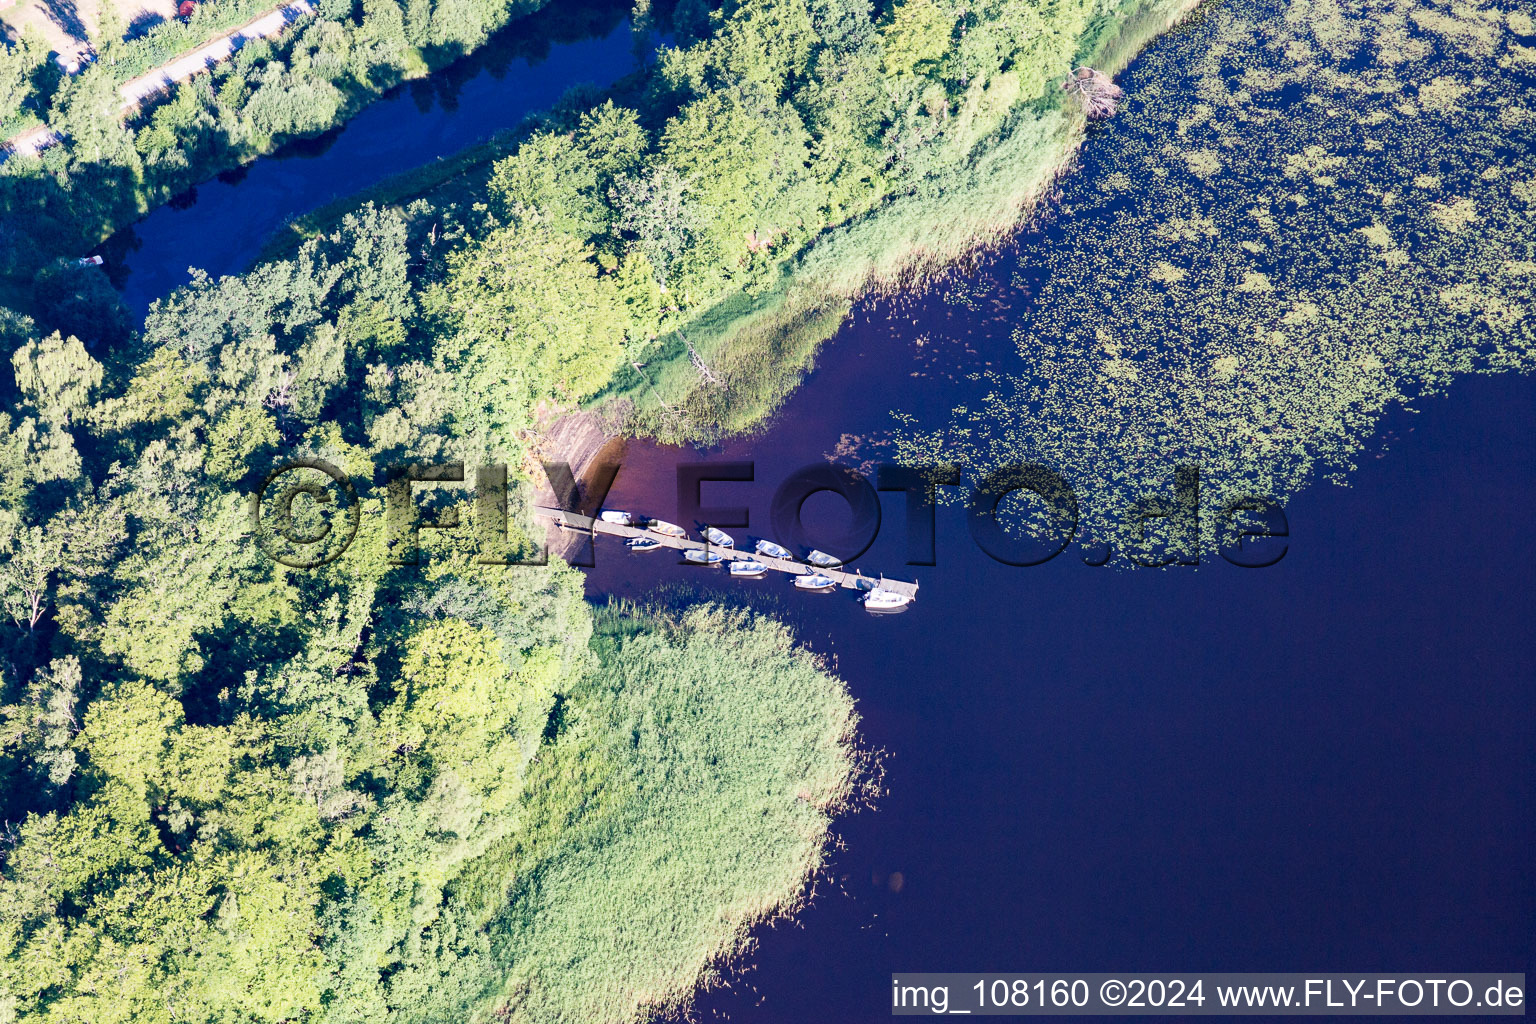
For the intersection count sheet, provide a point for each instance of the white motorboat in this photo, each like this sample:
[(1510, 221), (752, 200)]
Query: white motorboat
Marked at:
[(613, 515), (882, 600), (644, 544), (815, 582), (702, 557), (822, 560), (747, 568), (772, 550), (718, 539), (666, 529)]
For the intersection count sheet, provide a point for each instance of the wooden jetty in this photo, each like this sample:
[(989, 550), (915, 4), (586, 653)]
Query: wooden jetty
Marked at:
[(843, 578)]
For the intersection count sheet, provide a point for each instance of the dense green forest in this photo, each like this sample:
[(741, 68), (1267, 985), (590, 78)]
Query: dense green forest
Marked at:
[(238, 792), (373, 791)]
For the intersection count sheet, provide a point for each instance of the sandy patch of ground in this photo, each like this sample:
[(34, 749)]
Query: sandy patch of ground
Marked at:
[(70, 26)]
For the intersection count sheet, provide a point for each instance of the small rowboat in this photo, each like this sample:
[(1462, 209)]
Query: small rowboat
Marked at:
[(644, 544), (822, 560), (772, 550), (748, 569), (816, 583), (880, 600), (666, 529), (702, 557), (718, 539), (613, 515)]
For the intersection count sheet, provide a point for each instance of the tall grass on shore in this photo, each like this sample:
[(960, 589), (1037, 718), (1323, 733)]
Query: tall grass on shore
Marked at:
[(762, 347), (683, 828)]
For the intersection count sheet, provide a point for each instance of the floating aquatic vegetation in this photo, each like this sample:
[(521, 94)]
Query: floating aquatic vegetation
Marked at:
[(1330, 211)]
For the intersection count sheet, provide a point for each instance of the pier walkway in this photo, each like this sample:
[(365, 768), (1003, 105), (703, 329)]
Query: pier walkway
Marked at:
[(848, 580)]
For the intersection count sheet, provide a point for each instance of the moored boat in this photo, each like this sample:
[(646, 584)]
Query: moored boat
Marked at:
[(882, 600), (666, 529), (822, 560), (772, 550), (613, 515), (815, 582), (719, 539), (747, 568), (644, 544), (702, 557)]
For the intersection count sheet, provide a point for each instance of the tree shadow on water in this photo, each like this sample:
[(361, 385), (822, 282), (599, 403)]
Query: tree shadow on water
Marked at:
[(526, 40)]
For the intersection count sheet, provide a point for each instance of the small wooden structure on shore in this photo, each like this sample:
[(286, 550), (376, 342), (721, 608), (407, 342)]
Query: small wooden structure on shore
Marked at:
[(843, 578)]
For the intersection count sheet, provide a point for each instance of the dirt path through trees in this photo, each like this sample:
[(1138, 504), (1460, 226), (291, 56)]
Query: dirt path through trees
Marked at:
[(137, 91)]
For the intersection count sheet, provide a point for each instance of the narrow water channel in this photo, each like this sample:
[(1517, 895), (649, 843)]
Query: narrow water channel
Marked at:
[(221, 225)]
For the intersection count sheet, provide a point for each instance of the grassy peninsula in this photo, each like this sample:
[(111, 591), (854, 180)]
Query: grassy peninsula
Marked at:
[(235, 791)]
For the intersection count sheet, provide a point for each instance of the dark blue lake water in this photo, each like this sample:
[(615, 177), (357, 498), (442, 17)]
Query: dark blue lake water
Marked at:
[(1329, 764)]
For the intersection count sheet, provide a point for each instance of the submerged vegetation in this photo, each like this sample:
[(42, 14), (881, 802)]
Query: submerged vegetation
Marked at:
[(1306, 214)]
